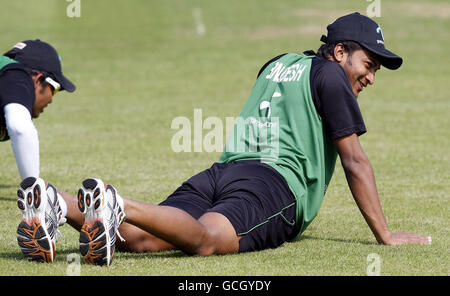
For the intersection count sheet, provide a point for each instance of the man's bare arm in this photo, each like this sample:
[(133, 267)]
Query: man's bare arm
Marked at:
[(361, 180)]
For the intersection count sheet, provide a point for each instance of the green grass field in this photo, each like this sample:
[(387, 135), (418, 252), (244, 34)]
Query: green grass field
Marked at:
[(139, 64)]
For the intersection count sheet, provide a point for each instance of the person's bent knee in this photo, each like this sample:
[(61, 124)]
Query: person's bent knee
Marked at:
[(213, 243), (206, 247), (205, 251), (219, 236)]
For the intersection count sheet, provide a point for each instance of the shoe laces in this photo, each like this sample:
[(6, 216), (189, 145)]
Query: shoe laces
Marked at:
[(61, 221), (120, 237), (59, 235), (120, 218), (119, 213)]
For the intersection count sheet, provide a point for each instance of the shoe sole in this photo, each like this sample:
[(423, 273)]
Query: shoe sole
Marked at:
[(95, 242), (32, 237)]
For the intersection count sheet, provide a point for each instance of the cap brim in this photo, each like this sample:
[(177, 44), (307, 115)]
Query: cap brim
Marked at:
[(66, 84), (387, 59)]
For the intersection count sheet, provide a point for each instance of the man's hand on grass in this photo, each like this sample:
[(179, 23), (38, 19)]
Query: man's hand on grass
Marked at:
[(401, 238)]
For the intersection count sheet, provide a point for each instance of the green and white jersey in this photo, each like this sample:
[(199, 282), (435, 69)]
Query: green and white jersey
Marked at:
[(280, 126)]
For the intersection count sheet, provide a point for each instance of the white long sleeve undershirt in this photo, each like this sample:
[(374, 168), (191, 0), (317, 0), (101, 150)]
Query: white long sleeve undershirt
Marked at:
[(24, 139)]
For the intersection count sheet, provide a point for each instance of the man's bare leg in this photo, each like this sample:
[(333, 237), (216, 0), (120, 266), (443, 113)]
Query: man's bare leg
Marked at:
[(211, 234), (152, 228), (136, 240), (74, 217), (140, 241)]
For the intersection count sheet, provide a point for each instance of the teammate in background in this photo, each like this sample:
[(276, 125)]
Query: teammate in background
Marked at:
[(30, 75), (251, 199)]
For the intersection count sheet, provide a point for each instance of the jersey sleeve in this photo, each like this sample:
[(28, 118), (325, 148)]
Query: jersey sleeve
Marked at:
[(16, 86), (336, 102)]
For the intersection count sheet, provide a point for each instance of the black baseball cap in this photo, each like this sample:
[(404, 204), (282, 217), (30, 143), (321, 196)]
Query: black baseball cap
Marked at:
[(41, 56), (363, 30)]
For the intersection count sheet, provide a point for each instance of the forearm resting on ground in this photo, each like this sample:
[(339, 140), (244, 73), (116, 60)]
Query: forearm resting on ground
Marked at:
[(361, 180)]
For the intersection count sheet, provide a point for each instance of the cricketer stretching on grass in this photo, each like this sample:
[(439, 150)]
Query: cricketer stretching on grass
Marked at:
[(30, 75), (252, 199)]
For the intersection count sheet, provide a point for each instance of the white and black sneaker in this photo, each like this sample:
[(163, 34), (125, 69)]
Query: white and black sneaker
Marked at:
[(103, 211), (41, 217)]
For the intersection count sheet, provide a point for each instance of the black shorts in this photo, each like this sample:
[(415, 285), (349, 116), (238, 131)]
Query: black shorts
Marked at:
[(253, 196)]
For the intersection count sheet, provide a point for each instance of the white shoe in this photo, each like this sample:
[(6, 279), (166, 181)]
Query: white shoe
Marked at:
[(41, 217), (103, 211)]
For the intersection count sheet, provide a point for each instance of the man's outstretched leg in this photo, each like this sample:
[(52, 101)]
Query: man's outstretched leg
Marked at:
[(153, 228), (211, 234), (136, 239)]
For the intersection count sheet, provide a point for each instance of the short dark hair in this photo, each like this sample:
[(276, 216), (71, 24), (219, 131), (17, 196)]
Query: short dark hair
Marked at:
[(327, 49)]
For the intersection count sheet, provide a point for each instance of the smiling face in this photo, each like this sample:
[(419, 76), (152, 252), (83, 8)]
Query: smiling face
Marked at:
[(44, 95), (360, 67)]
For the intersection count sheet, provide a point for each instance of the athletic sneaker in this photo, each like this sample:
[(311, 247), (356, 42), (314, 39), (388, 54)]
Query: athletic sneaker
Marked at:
[(102, 207), (41, 217)]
